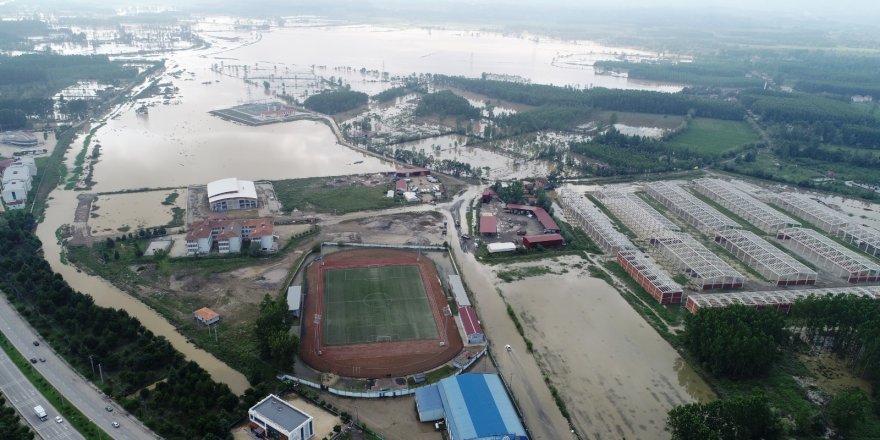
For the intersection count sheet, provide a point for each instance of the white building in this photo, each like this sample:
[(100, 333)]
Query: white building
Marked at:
[(229, 235), (294, 300), (17, 172), (272, 417), (16, 183), (15, 194), (231, 193)]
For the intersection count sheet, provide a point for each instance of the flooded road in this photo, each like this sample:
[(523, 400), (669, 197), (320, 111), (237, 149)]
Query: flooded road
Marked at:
[(518, 367), (59, 212), (618, 376)]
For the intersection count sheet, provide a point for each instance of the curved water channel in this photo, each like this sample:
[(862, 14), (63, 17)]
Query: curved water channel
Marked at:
[(59, 212)]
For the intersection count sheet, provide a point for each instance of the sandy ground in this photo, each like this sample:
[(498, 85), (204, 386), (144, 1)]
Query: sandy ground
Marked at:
[(323, 421), (618, 377), (410, 228)]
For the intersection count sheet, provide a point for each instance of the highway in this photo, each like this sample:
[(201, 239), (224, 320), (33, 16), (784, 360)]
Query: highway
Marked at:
[(79, 391), (21, 394)]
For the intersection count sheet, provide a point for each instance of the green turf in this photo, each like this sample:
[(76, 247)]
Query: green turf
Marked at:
[(376, 304), (714, 136)]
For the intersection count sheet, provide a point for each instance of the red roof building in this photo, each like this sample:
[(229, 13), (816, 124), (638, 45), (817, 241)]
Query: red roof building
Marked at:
[(545, 219), (410, 172), (206, 316), (488, 195), (471, 325), (488, 225), (544, 240), (400, 186)]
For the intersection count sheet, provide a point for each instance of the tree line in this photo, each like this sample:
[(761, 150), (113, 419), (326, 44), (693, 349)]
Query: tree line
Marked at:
[(811, 71), (742, 345), (445, 103), (186, 402), (640, 101), (336, 101), (623, 154)]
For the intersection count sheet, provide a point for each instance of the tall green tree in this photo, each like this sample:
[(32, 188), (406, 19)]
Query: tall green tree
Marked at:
[(848, 408), (736, 341), (738, 418)]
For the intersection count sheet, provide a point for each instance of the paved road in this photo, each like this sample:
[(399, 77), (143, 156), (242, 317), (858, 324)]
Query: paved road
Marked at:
[(79, 391), (21, 394)]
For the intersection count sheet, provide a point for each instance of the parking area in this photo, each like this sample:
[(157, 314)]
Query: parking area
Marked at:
[(510, 227)]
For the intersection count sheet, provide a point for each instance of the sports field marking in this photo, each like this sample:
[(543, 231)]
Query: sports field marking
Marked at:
[(376, 304)]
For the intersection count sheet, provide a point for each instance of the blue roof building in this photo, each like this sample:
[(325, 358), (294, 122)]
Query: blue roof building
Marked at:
[(475, 406)]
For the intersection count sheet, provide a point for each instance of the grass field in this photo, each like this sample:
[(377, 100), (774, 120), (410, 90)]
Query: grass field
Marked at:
[(376, 304), (714, 136), (313, 194)]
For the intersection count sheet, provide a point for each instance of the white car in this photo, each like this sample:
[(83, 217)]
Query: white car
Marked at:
[(58, 419), (115, 424)]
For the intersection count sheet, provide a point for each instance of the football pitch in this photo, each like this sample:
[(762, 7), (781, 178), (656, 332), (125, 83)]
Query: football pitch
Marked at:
[(376, 304)]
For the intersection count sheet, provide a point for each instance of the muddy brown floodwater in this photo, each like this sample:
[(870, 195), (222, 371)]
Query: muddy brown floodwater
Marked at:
[(618, 376), (60, 211)]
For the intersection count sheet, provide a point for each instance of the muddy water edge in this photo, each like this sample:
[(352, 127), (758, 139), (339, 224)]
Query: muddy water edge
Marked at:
[(60, 211)]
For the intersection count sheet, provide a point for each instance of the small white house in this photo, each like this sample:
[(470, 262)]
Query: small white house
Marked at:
[(294, 300), (410, 197), (15, 194), (273, 417)]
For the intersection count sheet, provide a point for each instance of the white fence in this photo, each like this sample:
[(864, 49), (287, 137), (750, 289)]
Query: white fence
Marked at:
[(373, 394), (429, 247)]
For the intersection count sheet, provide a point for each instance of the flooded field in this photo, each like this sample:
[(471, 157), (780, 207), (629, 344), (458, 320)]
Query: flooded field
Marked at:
[(402, 51), (495, 165), (618, 376), (649, 132), (867, 213), (179, 144), (116, 213)]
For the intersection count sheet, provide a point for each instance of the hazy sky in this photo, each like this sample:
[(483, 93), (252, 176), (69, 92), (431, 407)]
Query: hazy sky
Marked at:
[(863, 12)]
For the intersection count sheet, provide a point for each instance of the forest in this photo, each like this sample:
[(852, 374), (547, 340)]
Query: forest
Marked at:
[(186, 403), (751, 356), (446, 103), (14, 33), (811, 71), (640, 101), (43, 75), (622, 154), (11, 426), (336, 101)]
